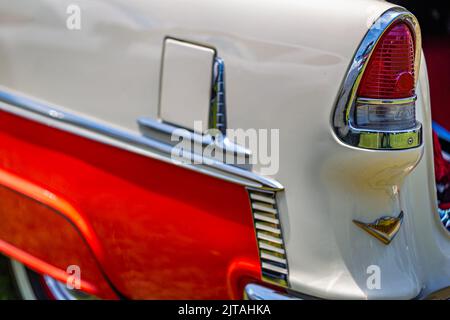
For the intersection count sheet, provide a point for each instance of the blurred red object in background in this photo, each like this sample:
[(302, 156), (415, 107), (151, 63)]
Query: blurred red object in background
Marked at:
[(437, 54)]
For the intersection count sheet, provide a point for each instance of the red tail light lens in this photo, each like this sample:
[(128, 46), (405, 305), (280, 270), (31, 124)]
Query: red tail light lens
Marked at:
[(390, 71)]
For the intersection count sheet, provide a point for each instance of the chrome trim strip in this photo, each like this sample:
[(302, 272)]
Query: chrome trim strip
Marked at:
[(343, 112), (257, 292), (272, 267), (267, 256), (386, 101), (60, 291), (263, 236), (52, 116), (265, 218), (380, 140), (261, 207), (262, 198), (166, 130), (266, 246), (261, 226)]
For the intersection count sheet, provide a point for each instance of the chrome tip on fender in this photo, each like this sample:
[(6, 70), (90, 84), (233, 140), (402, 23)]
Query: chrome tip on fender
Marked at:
[(258, 292)]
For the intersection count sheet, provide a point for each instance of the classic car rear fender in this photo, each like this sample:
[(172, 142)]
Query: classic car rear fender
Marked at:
[(174, 231)]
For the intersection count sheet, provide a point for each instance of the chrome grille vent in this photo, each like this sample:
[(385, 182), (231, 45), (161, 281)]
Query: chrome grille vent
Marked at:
[(268, 230)]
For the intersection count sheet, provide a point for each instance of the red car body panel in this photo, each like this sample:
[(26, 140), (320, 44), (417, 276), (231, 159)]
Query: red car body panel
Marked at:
[(157, 230), (50, 244)]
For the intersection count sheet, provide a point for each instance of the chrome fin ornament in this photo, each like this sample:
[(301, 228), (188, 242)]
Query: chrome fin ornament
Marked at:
[(384, 228), (217, 113)]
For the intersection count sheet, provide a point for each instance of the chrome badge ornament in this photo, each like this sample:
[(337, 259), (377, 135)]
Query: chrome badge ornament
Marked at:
[(384, 228)]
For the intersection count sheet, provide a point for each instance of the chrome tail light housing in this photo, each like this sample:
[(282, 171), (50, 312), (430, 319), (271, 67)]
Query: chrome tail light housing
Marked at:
[(376, 104)]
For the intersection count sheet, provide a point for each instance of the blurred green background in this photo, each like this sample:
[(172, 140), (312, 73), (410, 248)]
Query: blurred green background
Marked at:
[(7, 291)]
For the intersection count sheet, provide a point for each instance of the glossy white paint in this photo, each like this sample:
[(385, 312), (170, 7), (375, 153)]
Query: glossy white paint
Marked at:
[(285, 61), (431, 239)]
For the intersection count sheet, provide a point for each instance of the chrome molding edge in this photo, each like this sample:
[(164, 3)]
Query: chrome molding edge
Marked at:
[(60, 291), (269, 237), (387, 101), (52, 116), (342, 117), (173, 135), (257, 292)]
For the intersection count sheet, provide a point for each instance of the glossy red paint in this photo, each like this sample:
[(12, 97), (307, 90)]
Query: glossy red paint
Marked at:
[(43, 239), (53, 201), (240, 273), (160, 231)]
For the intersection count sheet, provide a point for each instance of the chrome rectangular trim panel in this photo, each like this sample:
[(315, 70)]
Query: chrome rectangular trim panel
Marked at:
[(386, 101), (269, 236), (186, 77), (120, 138)]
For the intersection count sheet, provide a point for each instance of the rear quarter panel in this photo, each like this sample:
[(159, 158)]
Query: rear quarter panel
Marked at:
[(285, 61)]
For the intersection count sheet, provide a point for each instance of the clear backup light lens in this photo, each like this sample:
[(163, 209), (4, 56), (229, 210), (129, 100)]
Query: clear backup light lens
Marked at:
[(385, 116)]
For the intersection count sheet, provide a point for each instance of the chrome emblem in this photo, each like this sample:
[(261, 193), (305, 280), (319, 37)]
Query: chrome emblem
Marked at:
[(384, 228)]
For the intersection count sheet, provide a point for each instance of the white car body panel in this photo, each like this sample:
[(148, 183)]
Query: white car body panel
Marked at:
[(285, 62)]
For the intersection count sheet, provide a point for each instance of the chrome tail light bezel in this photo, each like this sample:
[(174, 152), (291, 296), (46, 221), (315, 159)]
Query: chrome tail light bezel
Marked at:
[(343, 117)]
